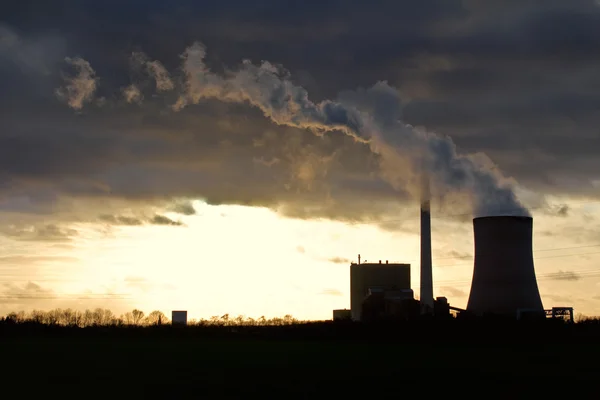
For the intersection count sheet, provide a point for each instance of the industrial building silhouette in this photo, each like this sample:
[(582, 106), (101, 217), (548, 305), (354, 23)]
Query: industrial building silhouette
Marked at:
[(503, 285), (504, 280), (382, 291), (379, 280)]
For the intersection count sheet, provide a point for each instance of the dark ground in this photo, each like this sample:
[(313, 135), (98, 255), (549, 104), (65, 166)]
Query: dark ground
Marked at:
[(300, 362)]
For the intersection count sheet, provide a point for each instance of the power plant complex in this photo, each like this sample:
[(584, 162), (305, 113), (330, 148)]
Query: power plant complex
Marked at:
[(503, 285)]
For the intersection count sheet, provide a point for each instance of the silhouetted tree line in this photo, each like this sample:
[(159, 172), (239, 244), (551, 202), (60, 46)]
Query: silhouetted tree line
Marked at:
[(105, 317), (103, 322), (87, 318)]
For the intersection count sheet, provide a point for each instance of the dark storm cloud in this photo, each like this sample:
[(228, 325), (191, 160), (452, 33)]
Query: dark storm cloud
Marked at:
[(521, 83), (517, 80)]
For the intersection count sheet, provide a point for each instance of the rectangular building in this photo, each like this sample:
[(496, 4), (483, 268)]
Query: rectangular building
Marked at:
[(342, 315), (387, 277), (179, 317)]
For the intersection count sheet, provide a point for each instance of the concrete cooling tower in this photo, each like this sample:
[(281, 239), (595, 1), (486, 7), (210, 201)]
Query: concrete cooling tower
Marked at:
[(503, 276)]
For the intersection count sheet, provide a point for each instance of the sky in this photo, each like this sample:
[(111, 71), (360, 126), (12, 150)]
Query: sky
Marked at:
[(235, 157)]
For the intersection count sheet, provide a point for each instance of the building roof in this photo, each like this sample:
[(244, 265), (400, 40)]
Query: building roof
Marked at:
[(368, 264)]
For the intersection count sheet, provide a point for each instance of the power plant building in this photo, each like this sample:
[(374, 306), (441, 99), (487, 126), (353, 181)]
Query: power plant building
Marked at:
[(504, 281), (372, 278)]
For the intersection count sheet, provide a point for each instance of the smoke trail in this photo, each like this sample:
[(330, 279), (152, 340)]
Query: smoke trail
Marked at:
[(264, 87), (79, 88), (369, 116), (155, 69), (132, 94)]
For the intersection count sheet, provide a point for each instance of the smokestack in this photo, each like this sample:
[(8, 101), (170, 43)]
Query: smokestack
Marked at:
[(426, 267), (504, 276)]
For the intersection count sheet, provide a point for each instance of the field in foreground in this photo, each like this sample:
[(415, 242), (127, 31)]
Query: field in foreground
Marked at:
[(144, 363)]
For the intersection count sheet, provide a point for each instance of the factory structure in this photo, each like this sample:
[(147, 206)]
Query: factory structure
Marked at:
[(504, 279), (376, 283), (504, 282)]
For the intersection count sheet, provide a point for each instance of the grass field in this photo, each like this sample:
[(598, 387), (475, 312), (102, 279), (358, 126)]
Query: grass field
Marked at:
[(142, 365)]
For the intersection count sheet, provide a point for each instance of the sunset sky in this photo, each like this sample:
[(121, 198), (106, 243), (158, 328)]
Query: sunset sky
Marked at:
[(235, 157)]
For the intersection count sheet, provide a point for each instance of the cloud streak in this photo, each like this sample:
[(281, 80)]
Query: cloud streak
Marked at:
[(43, 233), (564, 276), (124, 220), (339, 260), (331, 292)]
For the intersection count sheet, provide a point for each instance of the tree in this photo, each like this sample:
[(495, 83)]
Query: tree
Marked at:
[(225, 319), (105, 317), (70, 317), (138, 316), (135, 317), (38, 316), (156, 318), (102, 317)]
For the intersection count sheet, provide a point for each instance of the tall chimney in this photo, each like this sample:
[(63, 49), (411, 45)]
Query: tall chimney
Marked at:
[(426, 268)]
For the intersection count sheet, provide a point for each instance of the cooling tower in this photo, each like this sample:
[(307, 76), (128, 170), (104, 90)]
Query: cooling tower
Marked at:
[(503, 276)]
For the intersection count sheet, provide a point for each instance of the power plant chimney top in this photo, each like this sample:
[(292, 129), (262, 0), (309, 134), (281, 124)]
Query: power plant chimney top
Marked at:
[(379, 261), (496, 217)]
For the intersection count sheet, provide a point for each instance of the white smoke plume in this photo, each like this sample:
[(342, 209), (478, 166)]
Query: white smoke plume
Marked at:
[(155, 69), (370, 116), (79, 88), (132, 94), (161, 76)]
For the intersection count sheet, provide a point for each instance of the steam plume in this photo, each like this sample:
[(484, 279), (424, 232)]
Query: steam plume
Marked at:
[(132, 94), (155, 69), (79, 88), (369, 116)]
